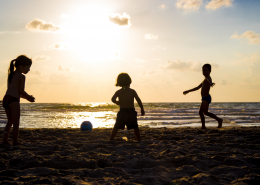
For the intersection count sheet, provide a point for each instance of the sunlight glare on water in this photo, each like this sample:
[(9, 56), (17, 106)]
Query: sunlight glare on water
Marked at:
[(74, 119), (103, 114), (100, 114), (98, 119)]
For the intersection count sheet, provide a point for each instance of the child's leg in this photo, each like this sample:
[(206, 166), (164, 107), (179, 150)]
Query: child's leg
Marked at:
[(113, 133), (15, 113), (215, 117), (137, 134), (203, 108), (8, 126)]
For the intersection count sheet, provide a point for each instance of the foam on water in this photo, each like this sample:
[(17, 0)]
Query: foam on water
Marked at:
[(64, 115)]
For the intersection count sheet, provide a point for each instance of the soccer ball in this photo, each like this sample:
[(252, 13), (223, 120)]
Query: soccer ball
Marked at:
[(86, 125)]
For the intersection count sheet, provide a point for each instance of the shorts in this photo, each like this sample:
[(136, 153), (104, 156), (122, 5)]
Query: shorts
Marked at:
[(207, 98), (128, 117), (8, 100)]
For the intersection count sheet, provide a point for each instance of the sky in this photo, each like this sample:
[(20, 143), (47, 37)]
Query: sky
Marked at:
[(79, 47)]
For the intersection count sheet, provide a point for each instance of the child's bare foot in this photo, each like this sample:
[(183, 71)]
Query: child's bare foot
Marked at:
[(220, 123), (203, 127)]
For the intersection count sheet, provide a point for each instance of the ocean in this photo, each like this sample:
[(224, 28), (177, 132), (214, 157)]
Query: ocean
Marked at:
[(103, 115)]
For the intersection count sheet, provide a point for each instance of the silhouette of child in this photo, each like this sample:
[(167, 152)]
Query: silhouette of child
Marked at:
[(206, 98), (127, 114), (15, 90)]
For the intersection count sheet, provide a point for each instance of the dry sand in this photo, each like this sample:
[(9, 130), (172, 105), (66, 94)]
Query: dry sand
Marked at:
[(165, 156)]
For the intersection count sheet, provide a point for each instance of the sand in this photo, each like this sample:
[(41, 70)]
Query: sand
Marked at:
[(165, 156)]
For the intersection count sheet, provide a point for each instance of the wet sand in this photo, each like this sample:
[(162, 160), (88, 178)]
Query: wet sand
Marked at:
[(165, 156)]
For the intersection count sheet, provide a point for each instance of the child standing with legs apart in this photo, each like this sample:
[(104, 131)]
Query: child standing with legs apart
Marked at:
[(206, 98), (127, 114), (15, 90)]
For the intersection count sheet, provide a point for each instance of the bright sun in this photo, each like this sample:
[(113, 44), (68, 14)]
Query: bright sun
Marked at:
[(91, 35)]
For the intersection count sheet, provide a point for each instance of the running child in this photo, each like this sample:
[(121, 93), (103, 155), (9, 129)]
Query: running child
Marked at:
[(15, 90), (206, 98), (127, 114)]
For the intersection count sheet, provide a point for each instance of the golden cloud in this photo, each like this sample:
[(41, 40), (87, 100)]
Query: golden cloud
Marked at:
[(121, 20), (188, 4), (251, 36), (41, 25), (215, 4)]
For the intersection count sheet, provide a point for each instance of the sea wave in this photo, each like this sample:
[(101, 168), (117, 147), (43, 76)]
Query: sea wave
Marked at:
[(63, 115)]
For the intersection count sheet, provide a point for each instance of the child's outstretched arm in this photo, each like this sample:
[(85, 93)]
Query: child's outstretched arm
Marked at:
[(23, 94), (194, 89), (114, 98), (139, 103)]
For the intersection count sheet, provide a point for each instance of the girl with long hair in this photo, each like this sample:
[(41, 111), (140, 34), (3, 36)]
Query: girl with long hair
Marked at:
[(15, 89)]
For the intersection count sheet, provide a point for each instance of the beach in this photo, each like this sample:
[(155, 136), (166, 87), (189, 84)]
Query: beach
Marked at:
[(230, 155)]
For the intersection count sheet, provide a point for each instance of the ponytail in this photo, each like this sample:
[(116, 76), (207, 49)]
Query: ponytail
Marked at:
[(20, 60), (11, 71)]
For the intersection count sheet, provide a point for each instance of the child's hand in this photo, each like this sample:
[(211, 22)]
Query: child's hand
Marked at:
[(185, 92), (31, 99), (212, 84), (142, 112)]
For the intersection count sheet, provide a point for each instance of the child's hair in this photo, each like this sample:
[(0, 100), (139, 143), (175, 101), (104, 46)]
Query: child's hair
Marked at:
[(123, 79), (20, 60), (207, 66)]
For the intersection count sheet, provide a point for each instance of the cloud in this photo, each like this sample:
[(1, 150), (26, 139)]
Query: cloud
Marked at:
[(186, 66), (188, 4), (215, 4), (1, 32), (162, 6), (40, 58), (251, 36), (121, 20), (150, 36), (41, 25), (57, 46)]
